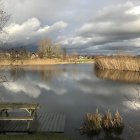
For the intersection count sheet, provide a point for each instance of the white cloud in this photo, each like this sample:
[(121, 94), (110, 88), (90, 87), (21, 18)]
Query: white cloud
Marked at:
[(31, 30), (134, 11)]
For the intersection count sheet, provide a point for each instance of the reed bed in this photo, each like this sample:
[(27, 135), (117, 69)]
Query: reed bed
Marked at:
[(107, 121), (117, 75), (94, 123), (118, 62), (118, 123)]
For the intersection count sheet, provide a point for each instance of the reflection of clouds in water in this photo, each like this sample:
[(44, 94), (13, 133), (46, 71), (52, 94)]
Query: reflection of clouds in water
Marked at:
[(76, 77), (132, 98), (135, 105), (80, 84), (55, 88), (41, 85), (29, 89), (32, 88), (88, 83), (118, 93)]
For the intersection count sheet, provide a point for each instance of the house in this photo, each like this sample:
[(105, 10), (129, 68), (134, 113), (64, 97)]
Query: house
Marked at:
[(34, 55)]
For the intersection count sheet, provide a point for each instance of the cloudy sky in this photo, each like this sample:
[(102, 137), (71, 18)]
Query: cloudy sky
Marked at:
[(85, 26)]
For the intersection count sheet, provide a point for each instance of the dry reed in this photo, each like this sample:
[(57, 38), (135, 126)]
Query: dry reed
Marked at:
[(118, 121), (107, 121), (92, 123), (118, 62)]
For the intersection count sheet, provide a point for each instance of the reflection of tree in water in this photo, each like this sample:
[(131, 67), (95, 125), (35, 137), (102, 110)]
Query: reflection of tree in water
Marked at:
[(17, 72), (48, 72), (134, 102), (3, 79)]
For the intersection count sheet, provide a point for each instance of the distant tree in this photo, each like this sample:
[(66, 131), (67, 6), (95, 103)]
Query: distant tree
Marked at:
[(58, 51), (13, 55), (23, 54), (64, 53), (45, 48)]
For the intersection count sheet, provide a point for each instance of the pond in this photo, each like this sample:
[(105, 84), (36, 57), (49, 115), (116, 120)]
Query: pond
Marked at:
[(76, 89)]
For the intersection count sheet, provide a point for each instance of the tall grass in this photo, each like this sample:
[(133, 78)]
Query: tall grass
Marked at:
[(94, 123), (118, 62)]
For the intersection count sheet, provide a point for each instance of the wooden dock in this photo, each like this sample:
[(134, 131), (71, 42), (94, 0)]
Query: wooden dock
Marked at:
[(45, 122)]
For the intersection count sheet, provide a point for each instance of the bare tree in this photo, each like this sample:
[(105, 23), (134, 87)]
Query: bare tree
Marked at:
[(135, 103), (45, 48), (58, 51), (4, 18)]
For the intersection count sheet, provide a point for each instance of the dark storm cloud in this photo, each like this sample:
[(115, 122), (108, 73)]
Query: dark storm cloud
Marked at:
[(82, 24), (117, 24)]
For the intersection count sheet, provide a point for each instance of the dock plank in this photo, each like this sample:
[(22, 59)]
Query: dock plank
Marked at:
[(45, 122), (49, 121)]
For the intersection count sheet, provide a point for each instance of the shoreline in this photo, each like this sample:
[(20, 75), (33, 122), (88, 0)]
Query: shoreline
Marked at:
[(42, 62)]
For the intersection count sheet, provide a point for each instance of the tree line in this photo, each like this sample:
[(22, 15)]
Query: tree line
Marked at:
[(49, 49), (46, 49)]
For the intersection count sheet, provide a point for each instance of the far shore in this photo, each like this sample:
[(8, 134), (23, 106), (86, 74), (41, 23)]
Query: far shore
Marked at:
[(33, 62)]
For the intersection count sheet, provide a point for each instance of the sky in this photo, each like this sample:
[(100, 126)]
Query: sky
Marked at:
[(82, 26)]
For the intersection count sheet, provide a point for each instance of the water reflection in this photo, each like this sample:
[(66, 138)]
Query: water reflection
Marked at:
[(72, 89), (111, 137), (47, 73), (16, 72), (116, 75), (23, 83)]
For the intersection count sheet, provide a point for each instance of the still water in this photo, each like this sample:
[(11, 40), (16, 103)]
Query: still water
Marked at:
[(75, 90)]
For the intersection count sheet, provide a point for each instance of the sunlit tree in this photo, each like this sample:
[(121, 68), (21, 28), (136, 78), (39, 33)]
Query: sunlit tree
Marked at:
[(58, 51), (45, 48)]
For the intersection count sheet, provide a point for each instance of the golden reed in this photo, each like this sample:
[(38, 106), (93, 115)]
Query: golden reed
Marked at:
[(118, 62)]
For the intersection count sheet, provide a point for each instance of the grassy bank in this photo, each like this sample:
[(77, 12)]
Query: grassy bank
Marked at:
[(35, 137), (118, 63), (43, 62)]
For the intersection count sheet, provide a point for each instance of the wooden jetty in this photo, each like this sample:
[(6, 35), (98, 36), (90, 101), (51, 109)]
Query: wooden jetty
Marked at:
[(44, 122)]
